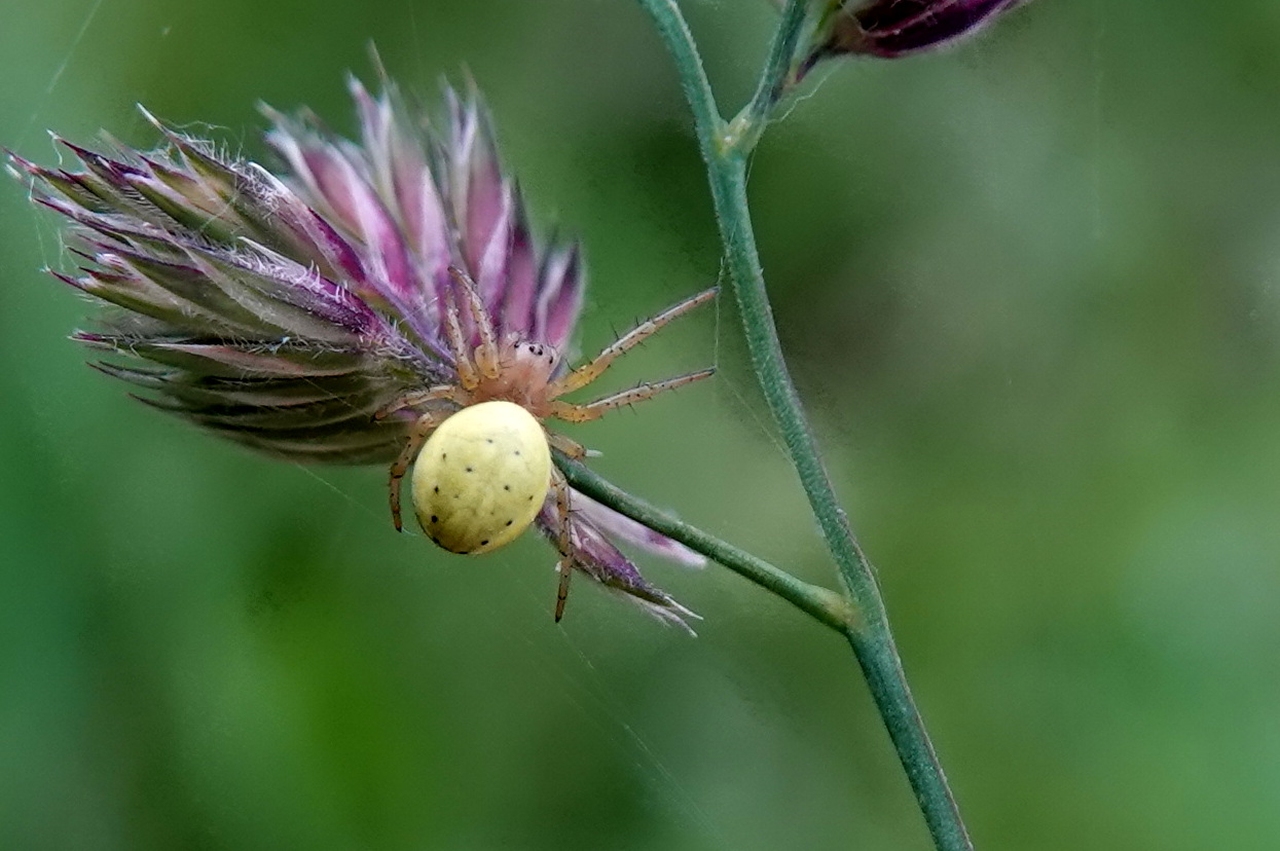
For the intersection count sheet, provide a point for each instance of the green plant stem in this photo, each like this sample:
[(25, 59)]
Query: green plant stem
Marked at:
[(871, 639), (745, 130), (823, 604)]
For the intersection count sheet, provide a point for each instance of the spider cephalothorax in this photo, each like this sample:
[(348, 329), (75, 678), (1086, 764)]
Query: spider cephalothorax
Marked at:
[(485, 469)]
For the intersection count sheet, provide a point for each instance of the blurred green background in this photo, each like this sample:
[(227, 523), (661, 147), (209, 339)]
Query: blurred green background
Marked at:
[(1030, 289)]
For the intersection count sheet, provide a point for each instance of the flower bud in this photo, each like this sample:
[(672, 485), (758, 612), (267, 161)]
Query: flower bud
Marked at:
[(893, 28)]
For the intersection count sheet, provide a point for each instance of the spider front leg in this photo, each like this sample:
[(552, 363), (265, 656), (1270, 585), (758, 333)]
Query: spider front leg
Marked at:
[(467, 376), (587, 373), (594, 410), (564, 540), (418, 435), (486, 354)]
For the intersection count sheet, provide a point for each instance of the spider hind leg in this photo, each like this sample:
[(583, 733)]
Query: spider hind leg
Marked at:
[(564, 540), (418, 435)]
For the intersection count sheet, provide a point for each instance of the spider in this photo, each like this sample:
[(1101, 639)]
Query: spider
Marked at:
[(480, 449)]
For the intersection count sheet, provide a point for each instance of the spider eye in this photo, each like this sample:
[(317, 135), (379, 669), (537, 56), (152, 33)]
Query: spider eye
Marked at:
[(482, 477)]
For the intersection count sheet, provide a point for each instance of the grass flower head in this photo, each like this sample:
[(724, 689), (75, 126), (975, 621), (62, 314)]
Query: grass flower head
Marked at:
[(352, 309)]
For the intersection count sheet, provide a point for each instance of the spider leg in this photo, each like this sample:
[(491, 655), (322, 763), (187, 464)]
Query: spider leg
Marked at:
[(594, 410), (421, 397), (467, 376), (563, 540), (486, 354), (418, 435), (589, 372), (568, 446)]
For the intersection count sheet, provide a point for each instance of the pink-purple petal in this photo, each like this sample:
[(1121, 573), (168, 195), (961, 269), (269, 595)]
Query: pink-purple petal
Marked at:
[(625, 529), (490, 269), (488, 206), (516, 312), (561, 298)]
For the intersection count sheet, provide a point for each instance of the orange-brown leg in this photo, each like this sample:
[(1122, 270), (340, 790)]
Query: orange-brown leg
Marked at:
[(418, 435), (594, 410), (486, 354), (587, 373), (568, 446), (467, 376), (564, 540)]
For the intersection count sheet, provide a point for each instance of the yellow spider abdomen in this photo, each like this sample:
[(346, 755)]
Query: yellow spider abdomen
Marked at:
[(482, 477)]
